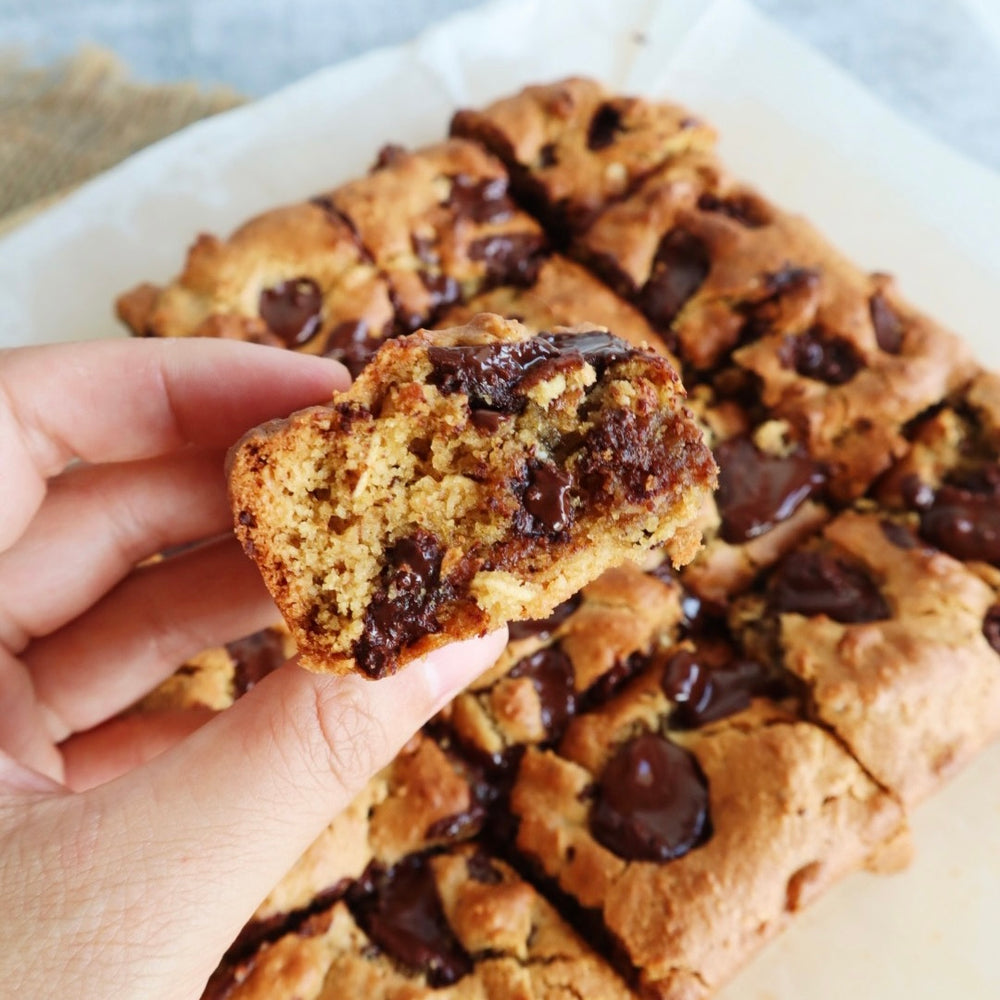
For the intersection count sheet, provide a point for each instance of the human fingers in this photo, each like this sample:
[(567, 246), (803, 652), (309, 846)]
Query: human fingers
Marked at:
[(24, 726), (95, 524), (133, 638), (124, 743), (118, 400), (205, 830)]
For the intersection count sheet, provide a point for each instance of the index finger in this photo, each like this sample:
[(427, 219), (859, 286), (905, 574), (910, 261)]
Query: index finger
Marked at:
[(117, 400)]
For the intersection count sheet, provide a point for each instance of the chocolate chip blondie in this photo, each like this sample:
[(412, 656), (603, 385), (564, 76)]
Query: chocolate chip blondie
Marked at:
[(470, 477), (675, 761)]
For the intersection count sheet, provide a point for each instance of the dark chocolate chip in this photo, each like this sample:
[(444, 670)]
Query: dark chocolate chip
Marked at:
[(964, 523), (816, 583), (388, 156), (401, 912), (488, 421), (443, 289), (791, 279), (898, 534), (711, 682), (547, 156), (551, 674), (547, 501), (679, 268), (888, 328), (350, 344), (510, 258), (247, 519), (459, 826), (604, 126), (481, 869), (542, 628), (254, 657), (758, 491), (823, 357), (404, 606), (481, 200), (651, 802), (991, 627), (744, 208), (292, 310)]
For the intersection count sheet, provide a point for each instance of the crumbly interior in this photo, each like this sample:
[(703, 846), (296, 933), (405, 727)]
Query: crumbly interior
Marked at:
[(402, 517)]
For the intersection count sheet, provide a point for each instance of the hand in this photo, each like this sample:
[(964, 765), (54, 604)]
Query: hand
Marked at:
[(134, 849)]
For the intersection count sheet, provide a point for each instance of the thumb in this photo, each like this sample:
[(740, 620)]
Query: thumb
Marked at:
[(235, 804)]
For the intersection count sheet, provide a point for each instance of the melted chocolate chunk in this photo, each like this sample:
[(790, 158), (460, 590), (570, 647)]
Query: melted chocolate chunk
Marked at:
[(815, 583), (651, 802), (551, 674), (624, 449), (743, 208), (542, 628), (350, 344), (510, 258), (991, 627), (401, 912), (487, 420), (388, 156), (964, 523), (443, 289), (898, 534), (254, 657), (825, 358), (404, 607), (484, 200), (493, 375), (711, 682), (758, 491), (460, 826), (546, 505), (604, 126), (481, 869), (888, 328), (292, 310), (547, 156), (679, 268)]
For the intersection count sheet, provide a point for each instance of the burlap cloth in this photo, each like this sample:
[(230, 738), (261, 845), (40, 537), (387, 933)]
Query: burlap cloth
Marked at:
[(61, 124)]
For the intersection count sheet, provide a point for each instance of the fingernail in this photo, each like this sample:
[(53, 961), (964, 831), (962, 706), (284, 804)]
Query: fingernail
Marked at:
[(449, 670)]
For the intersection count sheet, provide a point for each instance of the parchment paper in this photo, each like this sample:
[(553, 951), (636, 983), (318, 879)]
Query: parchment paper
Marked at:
[(803, 132)]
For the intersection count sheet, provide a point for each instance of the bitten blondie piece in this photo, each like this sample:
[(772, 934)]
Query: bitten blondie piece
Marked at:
[(455, 926), (572, 147), (439, 223), (892, 638), (691, 834), (470, 477), (293, 277)]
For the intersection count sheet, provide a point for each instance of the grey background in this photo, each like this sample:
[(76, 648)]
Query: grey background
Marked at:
[(934, 61)]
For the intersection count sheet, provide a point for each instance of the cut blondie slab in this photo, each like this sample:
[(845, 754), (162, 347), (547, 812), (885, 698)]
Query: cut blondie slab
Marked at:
[(470, 477), (293, 277), (691, 837), (572, 147), (892, 639), (461, 925), (439, 224)]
